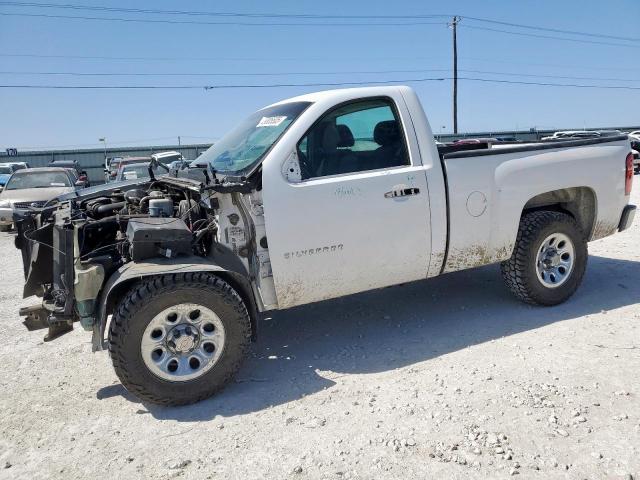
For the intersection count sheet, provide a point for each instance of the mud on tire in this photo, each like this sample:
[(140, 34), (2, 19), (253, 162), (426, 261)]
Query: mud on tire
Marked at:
[(144, 302), (520, 271)]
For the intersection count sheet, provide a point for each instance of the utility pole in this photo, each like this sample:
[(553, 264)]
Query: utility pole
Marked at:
[(179, 140), (454, 25)]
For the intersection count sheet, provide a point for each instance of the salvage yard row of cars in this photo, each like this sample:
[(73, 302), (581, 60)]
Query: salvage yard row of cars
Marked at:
[(25, 188)]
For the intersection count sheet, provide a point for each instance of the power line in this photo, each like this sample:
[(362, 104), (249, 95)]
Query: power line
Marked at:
[(553, 65), (314, 59), (233, 23), (101, 8), (315, 73), (219, 74), (215, 59), (318, 84), (213, 14), (307, 24), (560, 77), (555, 30), (550, 37), (214, 87)]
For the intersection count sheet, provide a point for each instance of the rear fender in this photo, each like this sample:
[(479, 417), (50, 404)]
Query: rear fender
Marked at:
[(127, 275)]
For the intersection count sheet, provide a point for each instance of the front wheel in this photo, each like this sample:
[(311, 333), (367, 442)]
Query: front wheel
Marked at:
[(548, 260), (178, 339)]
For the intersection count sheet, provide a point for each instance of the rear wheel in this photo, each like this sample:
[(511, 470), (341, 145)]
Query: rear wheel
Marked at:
[(549, 258), (178, 339)]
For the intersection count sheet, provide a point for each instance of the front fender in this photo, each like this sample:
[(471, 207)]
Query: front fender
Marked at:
[(132, 272)]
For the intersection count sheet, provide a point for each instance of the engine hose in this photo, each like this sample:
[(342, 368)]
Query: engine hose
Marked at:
[(109, 207)]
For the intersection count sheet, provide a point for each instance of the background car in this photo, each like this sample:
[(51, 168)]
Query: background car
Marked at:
[(635, 147), (577, 134), (73, 165), (111, 173), (6, 170), (167, 157), (111, 165), (131, 171), (33, 188)]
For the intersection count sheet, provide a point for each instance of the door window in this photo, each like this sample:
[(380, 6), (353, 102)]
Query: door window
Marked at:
[(360, 136)]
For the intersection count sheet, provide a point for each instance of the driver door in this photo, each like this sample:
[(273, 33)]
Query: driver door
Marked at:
[(359, 218)]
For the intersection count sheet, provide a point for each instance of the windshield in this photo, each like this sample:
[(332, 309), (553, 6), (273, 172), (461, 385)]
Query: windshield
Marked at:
[(5, 170), (245, 145), (38, 180)]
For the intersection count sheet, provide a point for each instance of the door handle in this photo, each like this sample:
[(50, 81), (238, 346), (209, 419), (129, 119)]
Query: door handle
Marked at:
[(402, 192)]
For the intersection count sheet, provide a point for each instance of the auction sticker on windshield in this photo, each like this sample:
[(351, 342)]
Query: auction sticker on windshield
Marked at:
[(271, 121)]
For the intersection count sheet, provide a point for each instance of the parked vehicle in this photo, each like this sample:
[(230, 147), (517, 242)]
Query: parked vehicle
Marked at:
[(32, 188), (311, 198), (583, 134), (130, 171), (6, 170), (75, 166), (111, 168), (635, 145), (167, 157), (18, 165), (468, 141), (111, 173)]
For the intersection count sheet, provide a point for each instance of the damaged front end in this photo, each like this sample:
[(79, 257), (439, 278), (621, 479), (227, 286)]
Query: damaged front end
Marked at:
[(46, 241), (71, 247)]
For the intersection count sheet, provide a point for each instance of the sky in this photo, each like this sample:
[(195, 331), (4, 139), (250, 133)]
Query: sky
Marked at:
[(312, 51)]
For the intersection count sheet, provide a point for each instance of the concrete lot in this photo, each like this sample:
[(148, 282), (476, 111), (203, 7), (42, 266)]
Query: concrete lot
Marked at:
[(447, 378)]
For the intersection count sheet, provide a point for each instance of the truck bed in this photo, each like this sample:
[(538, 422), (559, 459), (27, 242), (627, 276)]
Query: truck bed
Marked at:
[(487, 190)]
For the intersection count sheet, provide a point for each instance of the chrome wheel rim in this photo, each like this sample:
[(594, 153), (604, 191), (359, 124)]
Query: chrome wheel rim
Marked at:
[(555, 259), (183, 342)]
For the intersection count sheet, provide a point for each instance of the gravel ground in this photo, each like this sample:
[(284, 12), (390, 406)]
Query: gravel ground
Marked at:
[(447, 378)]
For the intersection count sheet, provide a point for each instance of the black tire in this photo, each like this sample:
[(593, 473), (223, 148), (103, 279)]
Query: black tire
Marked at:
[(519, 272), (5, 228), (150, 297)]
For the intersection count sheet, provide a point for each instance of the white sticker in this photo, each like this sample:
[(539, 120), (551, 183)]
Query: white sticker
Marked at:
[(271, 121)]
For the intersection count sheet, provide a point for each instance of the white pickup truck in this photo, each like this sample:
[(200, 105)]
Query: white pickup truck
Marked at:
[(312, 198)]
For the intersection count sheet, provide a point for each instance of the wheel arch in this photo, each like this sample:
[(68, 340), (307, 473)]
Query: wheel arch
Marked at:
[(130, 274), (579, 202)]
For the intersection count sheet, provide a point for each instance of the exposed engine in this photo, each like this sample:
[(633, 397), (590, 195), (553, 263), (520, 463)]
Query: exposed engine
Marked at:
[(160, 220), (71, 248)]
